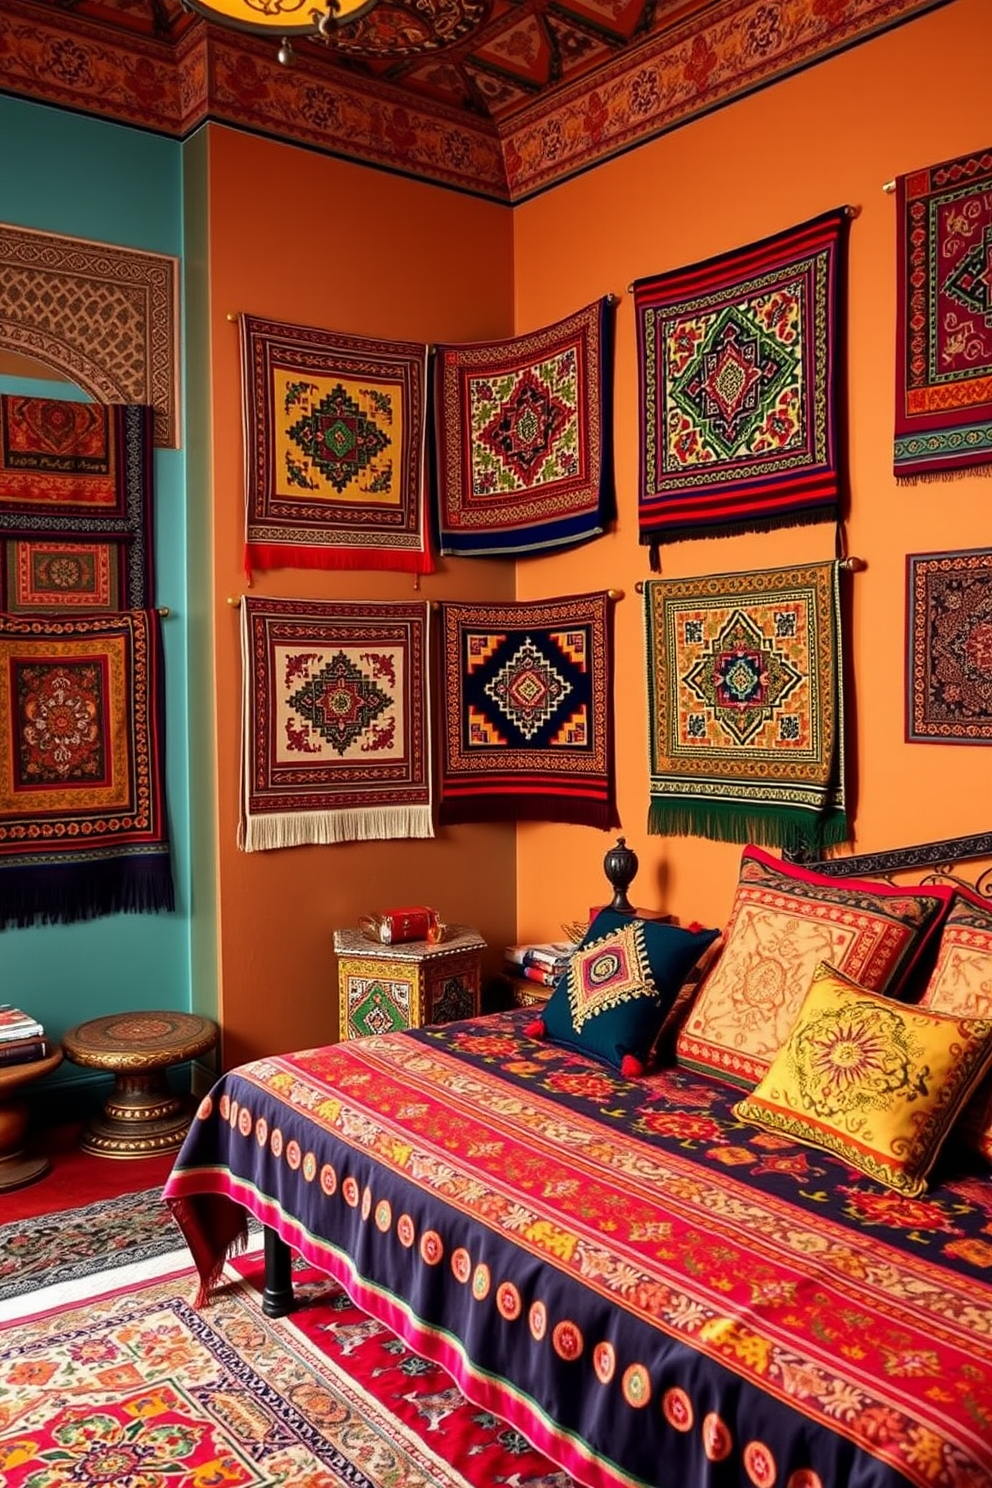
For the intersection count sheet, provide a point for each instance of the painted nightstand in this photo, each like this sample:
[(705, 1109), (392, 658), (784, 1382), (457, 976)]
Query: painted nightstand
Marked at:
[(383, 988)]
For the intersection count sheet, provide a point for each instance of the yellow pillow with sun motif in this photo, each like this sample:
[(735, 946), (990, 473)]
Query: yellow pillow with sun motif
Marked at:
[(876, 1082)]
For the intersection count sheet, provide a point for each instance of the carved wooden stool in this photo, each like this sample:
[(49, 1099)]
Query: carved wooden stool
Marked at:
[(141, 1117), (15, 1168)]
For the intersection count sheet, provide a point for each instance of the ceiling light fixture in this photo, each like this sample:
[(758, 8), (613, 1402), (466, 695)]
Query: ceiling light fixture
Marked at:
[(284, 18)]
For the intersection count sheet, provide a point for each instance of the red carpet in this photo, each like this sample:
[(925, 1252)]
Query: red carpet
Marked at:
[(76, 1178)]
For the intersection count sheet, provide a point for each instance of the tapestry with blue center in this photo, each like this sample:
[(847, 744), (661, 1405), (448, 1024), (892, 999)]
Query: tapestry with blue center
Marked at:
[(527, 719), (745, 706)]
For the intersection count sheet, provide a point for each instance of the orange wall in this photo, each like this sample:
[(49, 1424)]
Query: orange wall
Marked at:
[(830, 135), (298, 237)]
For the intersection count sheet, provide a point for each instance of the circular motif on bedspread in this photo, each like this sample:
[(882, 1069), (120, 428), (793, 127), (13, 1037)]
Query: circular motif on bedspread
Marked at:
[(759, 1464), (224, 1106), (294, 1155), (604, 1361), (717, 1440), (461, 1264), (244, 1121), (309, 1167), (275, 1142), (205, 1109), (405, 1232), (481, 1282), (538, 1320), (232, 1114), (676, 1407), (508, 1303), (383, 1215), (328, 1179), (431, 1247), (636, 1385), (366, 1202), (261, 1131), (567, 1340), (804, 1477), (350, 1191)]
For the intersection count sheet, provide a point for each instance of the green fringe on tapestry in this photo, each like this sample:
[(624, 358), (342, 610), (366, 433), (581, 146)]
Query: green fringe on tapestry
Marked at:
[(770, 826)]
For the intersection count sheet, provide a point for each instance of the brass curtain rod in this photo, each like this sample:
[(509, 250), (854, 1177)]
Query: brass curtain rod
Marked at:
[(850, 565), (234, 600)]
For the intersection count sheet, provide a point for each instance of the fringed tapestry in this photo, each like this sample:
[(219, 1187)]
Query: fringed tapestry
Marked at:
[(949, 646), (745, 706), (525, 438), (83, 828), (528, 712), (944, 319), (336, 722), (739, 369), (79, 474), (335, 451)]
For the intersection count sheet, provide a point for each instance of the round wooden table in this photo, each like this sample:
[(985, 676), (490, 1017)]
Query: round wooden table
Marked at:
[(141, 1117), (15, 1169)]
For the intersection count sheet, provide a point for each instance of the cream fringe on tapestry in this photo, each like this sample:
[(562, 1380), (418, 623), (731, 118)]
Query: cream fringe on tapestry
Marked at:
[(260, 833)]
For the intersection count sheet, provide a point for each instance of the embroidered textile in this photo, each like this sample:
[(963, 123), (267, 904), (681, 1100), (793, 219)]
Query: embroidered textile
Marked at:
[(745, 706), (336, 722), (739, 387), (944, 320), (335, 454), (949, 636), (525, 438), (528, 711), (83, 828), (573, 1245), (79, 472), (42, 575)]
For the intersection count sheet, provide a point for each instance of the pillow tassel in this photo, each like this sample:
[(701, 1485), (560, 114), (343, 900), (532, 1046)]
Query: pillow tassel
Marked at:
[(631, 1068), (536, 1029)]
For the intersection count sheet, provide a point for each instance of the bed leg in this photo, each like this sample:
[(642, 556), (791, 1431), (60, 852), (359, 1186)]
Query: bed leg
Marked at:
[(277, 1298)]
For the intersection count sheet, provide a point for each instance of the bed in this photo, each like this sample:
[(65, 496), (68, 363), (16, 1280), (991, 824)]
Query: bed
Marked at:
[(653, 1289)]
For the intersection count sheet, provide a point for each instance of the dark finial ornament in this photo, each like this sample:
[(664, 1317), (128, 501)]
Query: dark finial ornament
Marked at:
[(620, 866)]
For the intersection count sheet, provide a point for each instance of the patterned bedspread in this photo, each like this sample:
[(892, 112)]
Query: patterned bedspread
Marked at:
[(651, 1291)]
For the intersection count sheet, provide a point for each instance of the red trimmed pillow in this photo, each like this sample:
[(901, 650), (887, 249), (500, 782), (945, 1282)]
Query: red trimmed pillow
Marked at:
[(785, 921)]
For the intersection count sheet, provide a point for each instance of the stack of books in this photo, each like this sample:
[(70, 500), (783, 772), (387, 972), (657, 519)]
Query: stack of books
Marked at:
[(22, 1038), (543, 963)]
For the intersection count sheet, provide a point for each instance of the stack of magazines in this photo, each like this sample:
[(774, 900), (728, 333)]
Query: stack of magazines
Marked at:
[(22, 1038), (544, 962)]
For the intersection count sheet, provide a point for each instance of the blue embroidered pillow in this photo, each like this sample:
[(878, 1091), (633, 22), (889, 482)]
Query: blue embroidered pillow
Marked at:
[(621, 984)]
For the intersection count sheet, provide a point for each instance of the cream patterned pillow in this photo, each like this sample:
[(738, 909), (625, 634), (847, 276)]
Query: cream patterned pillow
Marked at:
[(785, 920), (961, 982)]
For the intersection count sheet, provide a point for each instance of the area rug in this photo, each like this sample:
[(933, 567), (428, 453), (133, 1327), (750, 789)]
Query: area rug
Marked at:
[(949, 647), (335, 449), (745, 706), (739, 362), (78, 472), (527, 717), (83, 827), (71, 1243), (525, 438), (336, 717), (944, 319), (135, 1384)]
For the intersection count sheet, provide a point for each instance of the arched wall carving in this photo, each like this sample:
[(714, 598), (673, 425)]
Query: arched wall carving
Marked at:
[(105, 317)]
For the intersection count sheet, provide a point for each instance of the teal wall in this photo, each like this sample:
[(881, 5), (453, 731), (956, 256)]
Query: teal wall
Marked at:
[(90, 179)]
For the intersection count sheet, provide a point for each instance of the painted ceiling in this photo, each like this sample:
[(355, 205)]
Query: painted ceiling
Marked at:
[(500, 98)]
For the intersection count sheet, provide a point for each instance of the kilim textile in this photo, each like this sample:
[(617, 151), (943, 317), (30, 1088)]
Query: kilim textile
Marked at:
[(336, 722), (739, 366), (949, 646), (528, 711), (745, 706), (45, 574), (944, 319), (640, 1282), (525, 438), (335, 449), (78, 472), (83, 829)]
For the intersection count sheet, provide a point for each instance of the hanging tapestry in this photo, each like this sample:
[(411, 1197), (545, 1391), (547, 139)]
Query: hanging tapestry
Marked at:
[(949, 646), (745, 706), (83, 829), (739, 365), (944, 319), (525, 438), (78, 472), (336, 722), (50, 574), (335, 451), (528, 712)]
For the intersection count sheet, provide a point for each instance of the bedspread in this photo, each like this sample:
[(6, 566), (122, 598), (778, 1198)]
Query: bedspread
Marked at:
[(650, 1290)]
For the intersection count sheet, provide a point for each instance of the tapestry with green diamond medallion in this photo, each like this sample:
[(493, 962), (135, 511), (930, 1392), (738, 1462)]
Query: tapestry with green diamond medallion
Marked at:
[(335, 454), (745, 706)]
